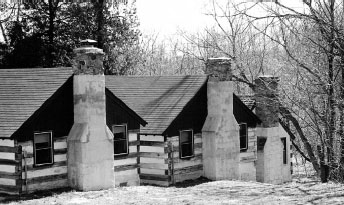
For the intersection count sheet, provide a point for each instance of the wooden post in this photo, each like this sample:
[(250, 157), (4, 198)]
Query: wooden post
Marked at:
[(138, 154), (170, 161), (19, 169)]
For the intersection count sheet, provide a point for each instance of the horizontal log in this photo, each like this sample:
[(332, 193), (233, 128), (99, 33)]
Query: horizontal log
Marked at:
[(9, 182), (47, 185), (154, 166), (153, 155), (134, 143), (9, 149), (187, 163), (8, 175), (176, 159), (56, 164), (132, 136), (61, 139), (60, 145), (11, 189), (7, 155), (47, 178), (125, 167), (187, 176), (7, 142), (48, 171), (152, 143), (154, 182), (155, 177), (130, 155), (189, 169), (60, 151), (125, 161), (156, 138), (152, 160), (152, 149), (154, 171), (196, 146), (9, 162), (8, 168)]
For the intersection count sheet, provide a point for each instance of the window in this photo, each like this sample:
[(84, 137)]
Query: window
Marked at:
[(120, 139), (243, 137), (43, 148), (284, 142), (186, 144)]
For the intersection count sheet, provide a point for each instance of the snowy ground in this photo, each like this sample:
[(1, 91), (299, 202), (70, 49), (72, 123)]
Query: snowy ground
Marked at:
[(300, 191), (304, 189)]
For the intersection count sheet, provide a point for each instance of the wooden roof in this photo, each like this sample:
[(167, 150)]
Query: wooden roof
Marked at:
[(23, 91), (157, 99)]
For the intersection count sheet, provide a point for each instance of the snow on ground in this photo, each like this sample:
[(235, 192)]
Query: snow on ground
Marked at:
[(300, 191)]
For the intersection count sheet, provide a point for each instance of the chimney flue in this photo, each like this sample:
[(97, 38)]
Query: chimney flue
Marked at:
[(266, 96)]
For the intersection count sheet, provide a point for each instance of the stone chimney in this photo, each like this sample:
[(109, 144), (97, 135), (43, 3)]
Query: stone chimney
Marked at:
[(266, 100), (90, 145), (220, 133), (219, 69)]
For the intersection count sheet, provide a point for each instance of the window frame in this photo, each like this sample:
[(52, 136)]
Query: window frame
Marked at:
[(246, 147), (51, 148), (192, 144), (126, 137), (284, 150)]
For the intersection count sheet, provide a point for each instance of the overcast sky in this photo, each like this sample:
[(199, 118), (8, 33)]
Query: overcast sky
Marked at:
[(166, 16)]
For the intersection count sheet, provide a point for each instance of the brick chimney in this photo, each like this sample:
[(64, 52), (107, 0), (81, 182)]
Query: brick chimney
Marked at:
[(90, 145), (220, 133), (266, 100)]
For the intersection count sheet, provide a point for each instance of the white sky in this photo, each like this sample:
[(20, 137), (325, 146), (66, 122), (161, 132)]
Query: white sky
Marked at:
[(167, 16)]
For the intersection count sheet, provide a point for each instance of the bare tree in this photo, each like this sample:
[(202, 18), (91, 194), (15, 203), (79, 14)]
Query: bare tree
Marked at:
[(312, 40)]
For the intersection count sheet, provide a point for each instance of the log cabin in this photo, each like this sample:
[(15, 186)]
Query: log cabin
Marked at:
[(75, 127)]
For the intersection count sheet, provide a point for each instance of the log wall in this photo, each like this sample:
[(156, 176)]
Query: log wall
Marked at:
[(186, 169), (10, 167), (126, 167), (155, 166), (48, 176)]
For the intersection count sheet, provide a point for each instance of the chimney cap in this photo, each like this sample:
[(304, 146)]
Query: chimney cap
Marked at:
[(88, 43), (219, 58)]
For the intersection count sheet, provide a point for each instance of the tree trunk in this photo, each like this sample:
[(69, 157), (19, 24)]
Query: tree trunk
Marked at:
[(100, 23), (52, 14), (324, 168)]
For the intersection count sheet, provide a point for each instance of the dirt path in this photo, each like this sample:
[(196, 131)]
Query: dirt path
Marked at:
[(222, 192)]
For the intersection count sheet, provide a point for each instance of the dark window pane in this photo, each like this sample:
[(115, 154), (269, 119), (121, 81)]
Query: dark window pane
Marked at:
[(243, 136), (284, 142), (186, 149), (43, 148), (43, 156), (186, 143), (186, 136), (42, 145), (120, 139), (119, 136), (120, 146)]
